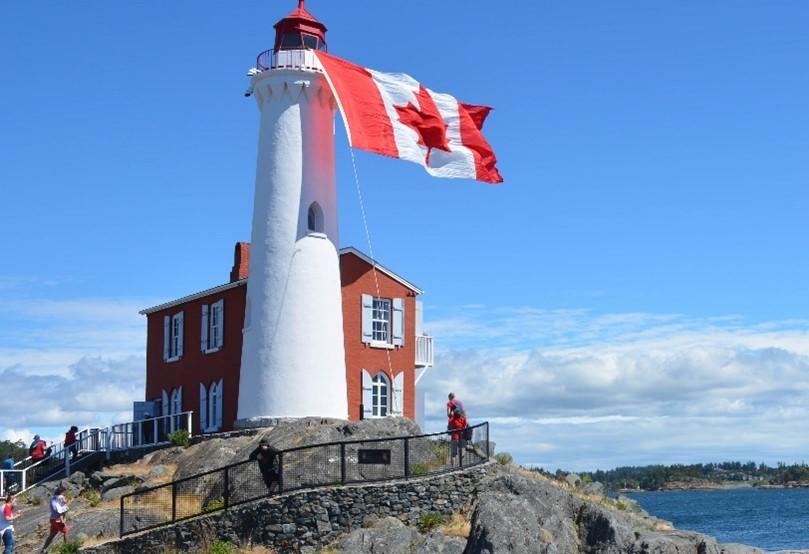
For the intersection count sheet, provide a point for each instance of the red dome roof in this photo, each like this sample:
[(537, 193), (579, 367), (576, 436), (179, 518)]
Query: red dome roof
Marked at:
[(298, 22)]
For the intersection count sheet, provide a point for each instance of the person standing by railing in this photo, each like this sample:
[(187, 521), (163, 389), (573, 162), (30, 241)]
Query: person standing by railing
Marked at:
[(268, 464), (452, 404), (7, 518), (457, 423), (38, 449)]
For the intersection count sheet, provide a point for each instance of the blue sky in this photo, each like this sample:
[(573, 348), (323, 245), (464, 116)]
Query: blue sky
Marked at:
[(651, 232)]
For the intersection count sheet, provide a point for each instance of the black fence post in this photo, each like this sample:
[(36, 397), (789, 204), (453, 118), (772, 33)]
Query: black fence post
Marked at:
[(461, 442), (226, 492), (343, 463), (280, 472), (407, 458), (173, 501), (488, 453), (122, 518)]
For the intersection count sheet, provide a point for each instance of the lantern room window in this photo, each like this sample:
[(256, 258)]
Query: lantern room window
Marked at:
[(299, 41)]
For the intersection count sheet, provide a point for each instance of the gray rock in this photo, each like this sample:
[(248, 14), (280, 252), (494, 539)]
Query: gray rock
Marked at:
[(630, 504), (116, 481), (389, 535), (594, 489), (573, 479), (117, 492)]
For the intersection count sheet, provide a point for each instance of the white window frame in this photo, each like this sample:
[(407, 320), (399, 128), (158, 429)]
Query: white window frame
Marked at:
[(213, 331), (175, 337), (382, 322), (380, 403)]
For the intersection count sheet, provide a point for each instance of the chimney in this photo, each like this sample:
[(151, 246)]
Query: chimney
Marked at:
[(241, 262)]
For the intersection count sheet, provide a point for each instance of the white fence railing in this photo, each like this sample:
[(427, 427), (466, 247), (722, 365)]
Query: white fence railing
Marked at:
[(288, 59), (424, 351), (59, 458)]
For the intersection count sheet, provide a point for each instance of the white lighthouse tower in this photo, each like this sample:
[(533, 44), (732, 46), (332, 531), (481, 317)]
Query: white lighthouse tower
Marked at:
[(293, 359)]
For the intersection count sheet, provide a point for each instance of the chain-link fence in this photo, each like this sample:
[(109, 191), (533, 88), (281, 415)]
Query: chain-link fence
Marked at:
[(336, 463)]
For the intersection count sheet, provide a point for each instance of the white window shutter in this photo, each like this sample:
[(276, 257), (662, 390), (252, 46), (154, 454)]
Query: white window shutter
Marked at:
[(398, 395), (180, 332), (165, 406), (166, 337), (219, 405), (221, 320), (178, 407), (367, 314), (398, 322), (203, 408), (204, 343), (367, 395)]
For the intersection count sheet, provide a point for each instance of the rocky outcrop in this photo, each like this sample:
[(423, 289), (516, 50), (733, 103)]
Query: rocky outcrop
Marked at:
[(391, 536), (526, 514)]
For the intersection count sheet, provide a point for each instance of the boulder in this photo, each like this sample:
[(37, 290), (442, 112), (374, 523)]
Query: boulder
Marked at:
[(389, 535), (116, 492), (573, 479), (594, 489)]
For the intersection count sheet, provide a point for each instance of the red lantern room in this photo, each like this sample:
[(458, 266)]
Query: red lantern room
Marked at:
[(300, 31)]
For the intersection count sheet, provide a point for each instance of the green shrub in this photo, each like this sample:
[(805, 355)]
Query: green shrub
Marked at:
[(69, 547), (221, 547), (419, 469), (180, 437), (213, 505), (92, 496), (429, 521), (35, 501), (503, 458)]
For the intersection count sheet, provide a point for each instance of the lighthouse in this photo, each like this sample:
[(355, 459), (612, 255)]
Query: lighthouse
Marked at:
[(293, 358)]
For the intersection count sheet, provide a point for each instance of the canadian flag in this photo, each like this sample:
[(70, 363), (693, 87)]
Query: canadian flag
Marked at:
[(394, 115)]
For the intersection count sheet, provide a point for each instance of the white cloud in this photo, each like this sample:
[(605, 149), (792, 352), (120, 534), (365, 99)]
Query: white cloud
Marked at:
[(615, 389), (69, 362)]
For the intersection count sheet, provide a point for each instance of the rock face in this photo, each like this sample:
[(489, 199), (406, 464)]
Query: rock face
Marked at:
[(519, 514), (391, 536)]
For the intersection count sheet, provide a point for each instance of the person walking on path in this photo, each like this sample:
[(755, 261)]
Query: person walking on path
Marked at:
[(268, 464), (457, 422), (7, 518), (70, 442), (59, 508), (8, 463)]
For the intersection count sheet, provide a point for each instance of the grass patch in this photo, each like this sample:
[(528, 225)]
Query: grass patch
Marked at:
[(92, 496), (458, 525), (430, 520), (503, 458), (68, 548), (213, 505), (222, 547)]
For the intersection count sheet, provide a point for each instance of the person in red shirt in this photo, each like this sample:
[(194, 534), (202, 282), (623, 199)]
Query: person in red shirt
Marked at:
[(7, 525), (38, 449), (457, 422), (453, 403), (70, 442)]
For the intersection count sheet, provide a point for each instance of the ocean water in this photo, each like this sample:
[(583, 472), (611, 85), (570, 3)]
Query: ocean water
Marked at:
[(771, 519)]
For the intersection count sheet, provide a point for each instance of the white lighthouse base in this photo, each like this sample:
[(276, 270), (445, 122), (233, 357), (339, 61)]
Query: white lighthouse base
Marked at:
[(300, 370)]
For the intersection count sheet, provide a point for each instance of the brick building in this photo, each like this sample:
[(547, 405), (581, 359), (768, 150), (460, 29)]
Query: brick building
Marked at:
[(194, 346)]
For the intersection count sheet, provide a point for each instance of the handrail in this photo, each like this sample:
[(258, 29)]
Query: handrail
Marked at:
[(148, 508), (121, 436)]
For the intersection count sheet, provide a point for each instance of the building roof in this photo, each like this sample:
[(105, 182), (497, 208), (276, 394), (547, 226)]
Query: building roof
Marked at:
[(242, 282)]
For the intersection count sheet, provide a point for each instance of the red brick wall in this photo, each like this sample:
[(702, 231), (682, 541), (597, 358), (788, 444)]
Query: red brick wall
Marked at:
[(195, 366), (358, 279)]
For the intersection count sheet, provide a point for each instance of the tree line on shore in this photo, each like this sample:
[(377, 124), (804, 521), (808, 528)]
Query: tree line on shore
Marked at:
[(657, 477)]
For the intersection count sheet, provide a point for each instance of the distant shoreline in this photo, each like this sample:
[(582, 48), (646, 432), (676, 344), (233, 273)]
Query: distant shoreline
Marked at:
[(679, 486)]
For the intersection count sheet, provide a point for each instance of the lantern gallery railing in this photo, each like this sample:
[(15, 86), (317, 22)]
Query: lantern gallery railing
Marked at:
[(288, 59), (319, 465)]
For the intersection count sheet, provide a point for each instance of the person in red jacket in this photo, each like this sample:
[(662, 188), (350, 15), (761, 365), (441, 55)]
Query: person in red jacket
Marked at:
[(457, 422), (70, 442), (38, 449)]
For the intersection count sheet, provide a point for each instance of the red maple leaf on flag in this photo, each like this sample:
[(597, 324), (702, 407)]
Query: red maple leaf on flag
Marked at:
[(427, 122)]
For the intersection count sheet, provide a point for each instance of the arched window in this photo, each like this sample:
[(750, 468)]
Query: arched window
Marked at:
[(314, 218), (380, 396)]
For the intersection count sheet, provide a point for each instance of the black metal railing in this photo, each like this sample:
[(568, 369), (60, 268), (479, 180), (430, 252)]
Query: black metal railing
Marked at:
[(319, 465)]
